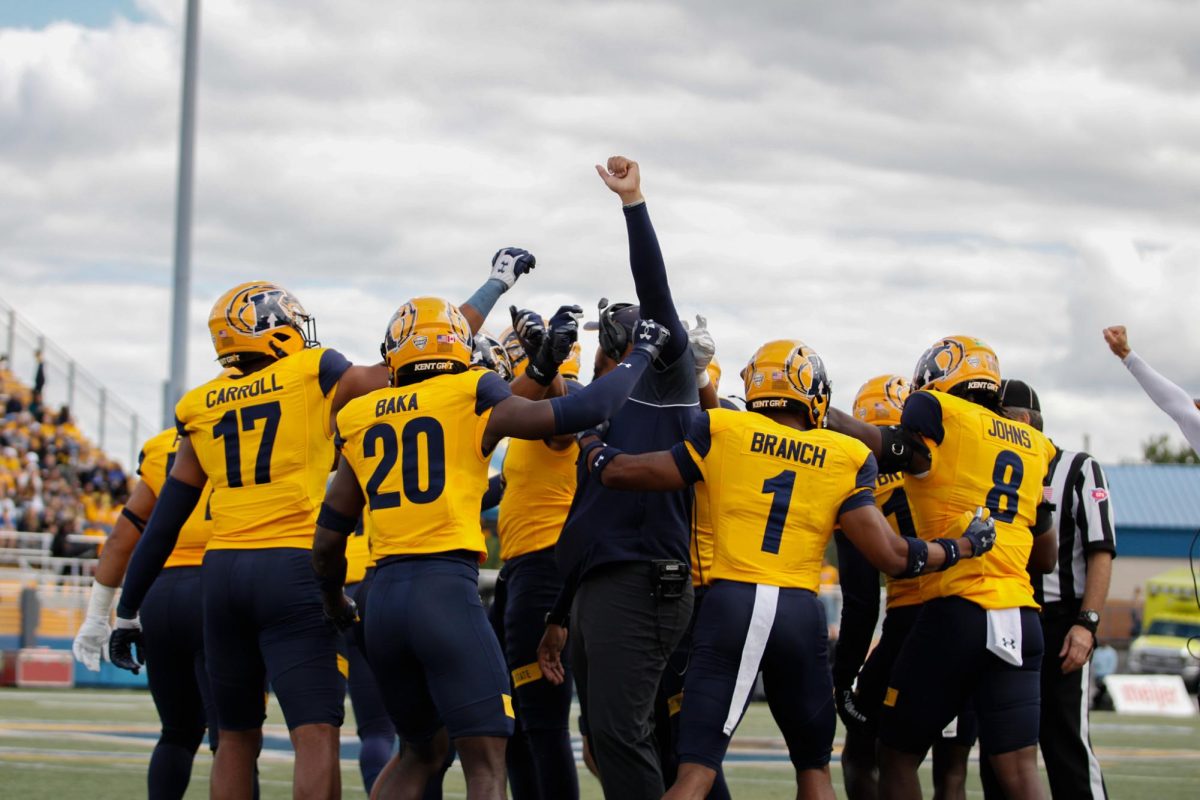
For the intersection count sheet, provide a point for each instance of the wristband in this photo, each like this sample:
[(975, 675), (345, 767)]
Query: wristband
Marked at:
[(334, 520), (137, 521), (918, 556), (603, 458), (100, 602), (953, 554)]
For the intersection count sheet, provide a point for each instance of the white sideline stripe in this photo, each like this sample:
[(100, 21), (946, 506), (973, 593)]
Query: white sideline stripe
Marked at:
[(1095, 779), (762, 618)]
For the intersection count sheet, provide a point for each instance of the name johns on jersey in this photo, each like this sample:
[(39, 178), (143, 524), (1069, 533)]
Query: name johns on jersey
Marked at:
[(228, 394), (1009, 432), (791, 449), (396, 404)]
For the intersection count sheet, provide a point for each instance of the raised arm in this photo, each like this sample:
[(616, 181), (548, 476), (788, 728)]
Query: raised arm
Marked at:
[(623, 177), (542, 419), (508, 264), (1173, 400)]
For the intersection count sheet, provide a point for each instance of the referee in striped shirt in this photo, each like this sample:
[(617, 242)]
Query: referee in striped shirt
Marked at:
[(1072, 595)]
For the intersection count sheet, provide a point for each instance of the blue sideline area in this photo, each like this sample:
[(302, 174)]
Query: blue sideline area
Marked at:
[(109, 677)]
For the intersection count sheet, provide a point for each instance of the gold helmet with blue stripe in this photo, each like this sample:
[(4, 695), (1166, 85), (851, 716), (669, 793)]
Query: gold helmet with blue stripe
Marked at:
[(958, 365), (426, 336), (787, 374), (881, 399), (259, 319)]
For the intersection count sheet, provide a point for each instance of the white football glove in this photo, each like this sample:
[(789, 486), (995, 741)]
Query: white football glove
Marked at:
[(91, 642), (511, 263), (703, 348)]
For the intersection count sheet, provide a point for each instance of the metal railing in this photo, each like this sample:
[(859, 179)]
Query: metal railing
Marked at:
[(103, 417)]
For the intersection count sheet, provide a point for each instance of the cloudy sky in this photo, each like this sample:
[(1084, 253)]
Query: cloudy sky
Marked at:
[(866, 176)]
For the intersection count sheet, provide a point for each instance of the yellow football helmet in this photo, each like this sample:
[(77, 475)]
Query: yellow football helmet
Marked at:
[(487, 352), (881, 399), (516, 353), (958, 364), (259, 318), (788, 374), (574, 363), (426, 336)]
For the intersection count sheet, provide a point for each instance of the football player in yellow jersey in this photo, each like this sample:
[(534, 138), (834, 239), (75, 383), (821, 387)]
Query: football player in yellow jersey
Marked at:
[(978, 629), (761, 610), (880, 402), (538, 479), (415, 458), (263, 438), (172, 622)]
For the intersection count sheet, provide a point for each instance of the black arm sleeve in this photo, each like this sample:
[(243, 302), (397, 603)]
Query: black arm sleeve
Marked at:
[(860, 611), (495, 491), (650, 280), (600, 399), (174, 506)]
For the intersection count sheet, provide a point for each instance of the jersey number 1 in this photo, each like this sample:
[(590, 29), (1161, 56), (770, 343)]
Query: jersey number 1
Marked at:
[(781, 488), (227, 428)]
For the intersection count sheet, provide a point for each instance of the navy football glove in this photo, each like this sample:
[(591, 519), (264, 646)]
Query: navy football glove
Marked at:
[(561, 335), (648, 335), (510, 263), (126, 636), (529, 328), (980, 532)]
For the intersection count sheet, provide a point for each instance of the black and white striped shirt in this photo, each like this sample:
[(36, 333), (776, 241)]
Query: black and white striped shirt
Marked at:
[(1083, 520)]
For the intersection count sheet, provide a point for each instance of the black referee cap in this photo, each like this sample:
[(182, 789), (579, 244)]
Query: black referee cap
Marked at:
[(1018, 394)]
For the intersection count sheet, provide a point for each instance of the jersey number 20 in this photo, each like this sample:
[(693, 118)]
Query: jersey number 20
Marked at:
[(408, 451)]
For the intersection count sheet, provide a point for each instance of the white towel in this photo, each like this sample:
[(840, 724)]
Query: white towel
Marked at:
[(1004, 634)]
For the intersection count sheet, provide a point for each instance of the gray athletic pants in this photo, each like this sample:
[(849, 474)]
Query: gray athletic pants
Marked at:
[(621, 638)]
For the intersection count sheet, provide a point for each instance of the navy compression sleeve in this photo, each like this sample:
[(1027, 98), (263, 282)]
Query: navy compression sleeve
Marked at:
[(650, 280), (494, 493), (860, 611), (175, 504), (600, 399)]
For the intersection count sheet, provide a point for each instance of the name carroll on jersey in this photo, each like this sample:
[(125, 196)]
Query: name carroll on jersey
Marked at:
[(790, 449), (228, 394)]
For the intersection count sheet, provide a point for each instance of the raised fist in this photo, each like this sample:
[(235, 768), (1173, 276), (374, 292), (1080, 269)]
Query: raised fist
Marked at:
[(529, 328), (623, 177), (510, 263), (1118, 340)]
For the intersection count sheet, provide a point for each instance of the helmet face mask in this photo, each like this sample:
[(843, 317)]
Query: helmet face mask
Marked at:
[(259, 319), (880, 400), (427, 336), (788, 375), (960, 365)]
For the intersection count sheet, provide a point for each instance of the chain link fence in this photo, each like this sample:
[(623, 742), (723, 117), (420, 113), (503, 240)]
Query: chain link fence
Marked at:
[(109, 422)]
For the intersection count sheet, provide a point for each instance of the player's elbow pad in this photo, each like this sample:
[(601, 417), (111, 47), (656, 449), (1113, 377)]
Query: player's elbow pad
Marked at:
[(1044, 519), (601, 399), (900, 447), (175, 504), (918, 557)]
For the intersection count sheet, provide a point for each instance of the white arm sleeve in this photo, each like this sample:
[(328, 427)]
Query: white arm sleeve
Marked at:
[(1177, 403)]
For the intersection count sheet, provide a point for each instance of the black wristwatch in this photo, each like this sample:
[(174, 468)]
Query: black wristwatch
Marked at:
[(1089, 619)]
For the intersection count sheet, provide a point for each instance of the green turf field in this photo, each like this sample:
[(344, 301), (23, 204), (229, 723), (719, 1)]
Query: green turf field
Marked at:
[(95, 744)]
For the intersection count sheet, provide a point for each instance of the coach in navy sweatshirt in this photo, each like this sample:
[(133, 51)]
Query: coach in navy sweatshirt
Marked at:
[(625, 554)]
